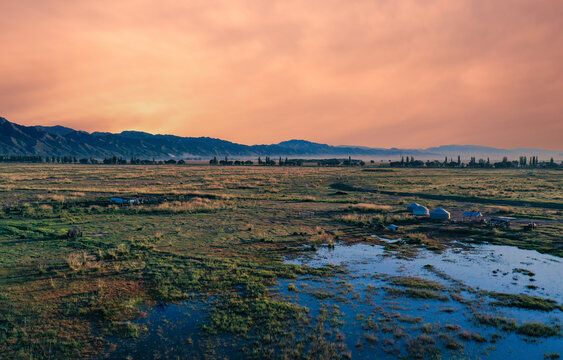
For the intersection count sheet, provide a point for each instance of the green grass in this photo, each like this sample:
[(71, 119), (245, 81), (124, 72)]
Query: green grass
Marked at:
[(524, 301), (525, 272), (417, 282), (496, 321), (535, 329), (223, 234), (416, 293)]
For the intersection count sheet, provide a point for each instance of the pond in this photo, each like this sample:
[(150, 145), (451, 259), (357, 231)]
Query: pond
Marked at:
[(487, 267)]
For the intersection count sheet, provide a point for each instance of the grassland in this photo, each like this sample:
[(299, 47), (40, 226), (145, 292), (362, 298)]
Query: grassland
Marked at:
[(223, 233)]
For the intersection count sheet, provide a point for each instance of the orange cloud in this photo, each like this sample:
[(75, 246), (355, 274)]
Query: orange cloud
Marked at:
[(379, 73)]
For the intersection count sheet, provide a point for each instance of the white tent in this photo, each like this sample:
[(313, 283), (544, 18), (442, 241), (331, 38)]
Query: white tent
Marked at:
[(412, 206), (439, 214), (420, 210)]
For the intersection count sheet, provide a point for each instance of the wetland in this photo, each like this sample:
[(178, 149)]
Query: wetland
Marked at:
[(278, 262)]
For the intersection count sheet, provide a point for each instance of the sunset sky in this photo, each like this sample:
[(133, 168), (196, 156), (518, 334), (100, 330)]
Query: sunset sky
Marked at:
[(380, 73)]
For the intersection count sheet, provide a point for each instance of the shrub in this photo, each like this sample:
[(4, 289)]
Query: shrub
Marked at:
[(536, 329), (74, 233), (422, 346)]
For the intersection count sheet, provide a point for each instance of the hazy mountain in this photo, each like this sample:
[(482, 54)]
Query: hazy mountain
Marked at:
[(55, 130), (310, 148), (63, 141), (59, 141)]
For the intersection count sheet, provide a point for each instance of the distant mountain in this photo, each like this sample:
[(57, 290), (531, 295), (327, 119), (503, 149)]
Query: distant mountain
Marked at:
[(63, 141), (55, 130), (304, 147), (60, 141), (310, 148)]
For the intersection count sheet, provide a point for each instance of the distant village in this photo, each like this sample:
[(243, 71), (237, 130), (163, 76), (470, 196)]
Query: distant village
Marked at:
[(464, 216)]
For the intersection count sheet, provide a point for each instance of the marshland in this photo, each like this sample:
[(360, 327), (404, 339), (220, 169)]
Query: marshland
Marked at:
[(278, 262)]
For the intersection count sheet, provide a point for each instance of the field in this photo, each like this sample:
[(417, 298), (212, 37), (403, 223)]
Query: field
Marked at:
[(261, 262)]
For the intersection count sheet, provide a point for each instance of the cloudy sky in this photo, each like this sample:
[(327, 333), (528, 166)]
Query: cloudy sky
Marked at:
[(381, 73)]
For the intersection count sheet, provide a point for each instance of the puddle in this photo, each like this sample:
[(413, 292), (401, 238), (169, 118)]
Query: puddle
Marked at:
[(390, 241)]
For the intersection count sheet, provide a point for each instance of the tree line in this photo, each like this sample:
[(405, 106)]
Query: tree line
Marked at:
[(267, 161), (406, 162), (74, 160), (522, 162)]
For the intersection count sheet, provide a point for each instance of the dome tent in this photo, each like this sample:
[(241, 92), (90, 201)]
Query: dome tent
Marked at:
[(420, 210), (439, 214), (412, 206)]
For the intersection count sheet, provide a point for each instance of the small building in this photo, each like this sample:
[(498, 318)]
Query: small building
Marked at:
[(124, 200), (439, 214), (412, 206), (420, 211), (393, 227), (474, 215)]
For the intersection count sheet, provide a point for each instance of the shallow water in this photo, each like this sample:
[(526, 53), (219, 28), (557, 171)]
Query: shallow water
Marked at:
[(174, 330), (473, 264), (369, 267)]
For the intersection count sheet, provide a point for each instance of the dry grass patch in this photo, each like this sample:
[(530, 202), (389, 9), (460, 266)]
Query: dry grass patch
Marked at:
[(375, 208), (193, 205)]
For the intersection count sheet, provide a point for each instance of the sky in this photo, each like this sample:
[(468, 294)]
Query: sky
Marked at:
[(379, 73)]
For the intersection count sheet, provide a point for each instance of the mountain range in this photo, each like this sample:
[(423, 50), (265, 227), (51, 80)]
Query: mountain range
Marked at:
[(63, 141)]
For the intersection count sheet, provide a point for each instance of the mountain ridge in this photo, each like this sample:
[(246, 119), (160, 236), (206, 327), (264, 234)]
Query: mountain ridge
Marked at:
[(64, 141)]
